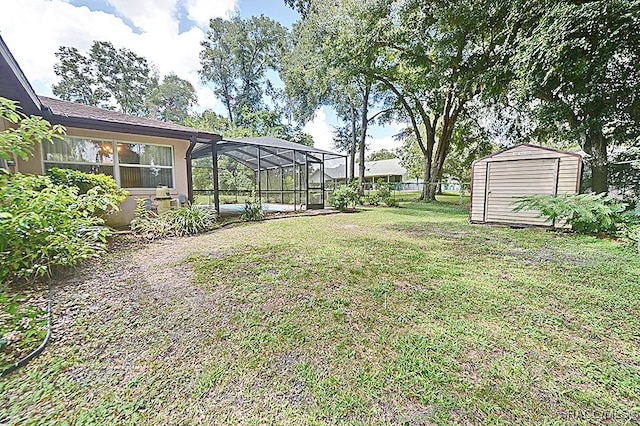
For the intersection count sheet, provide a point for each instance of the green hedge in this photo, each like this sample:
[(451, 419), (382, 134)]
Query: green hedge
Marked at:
[(43, 224)]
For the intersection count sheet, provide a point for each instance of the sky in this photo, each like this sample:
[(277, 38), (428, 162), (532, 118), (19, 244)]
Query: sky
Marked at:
[(166, 32)]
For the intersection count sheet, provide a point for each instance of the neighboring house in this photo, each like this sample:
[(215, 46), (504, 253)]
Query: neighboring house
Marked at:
[(140, 153), (390, 171)]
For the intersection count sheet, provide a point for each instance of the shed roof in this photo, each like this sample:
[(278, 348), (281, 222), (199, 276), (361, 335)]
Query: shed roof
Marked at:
[(527, 145)]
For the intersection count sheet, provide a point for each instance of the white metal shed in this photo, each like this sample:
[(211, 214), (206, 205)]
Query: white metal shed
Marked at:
[(497, 180)]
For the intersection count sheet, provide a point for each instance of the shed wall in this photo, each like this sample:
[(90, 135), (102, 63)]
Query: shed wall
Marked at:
[(498, 181)]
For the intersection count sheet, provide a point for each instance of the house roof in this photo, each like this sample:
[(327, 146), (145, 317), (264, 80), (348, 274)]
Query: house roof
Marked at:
[(376, 168), (14, 84), (390, 167), (72, 114)]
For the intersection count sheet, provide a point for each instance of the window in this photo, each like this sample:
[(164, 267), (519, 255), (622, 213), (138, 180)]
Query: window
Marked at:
[(86, 155), (133, 165), (145, 166)]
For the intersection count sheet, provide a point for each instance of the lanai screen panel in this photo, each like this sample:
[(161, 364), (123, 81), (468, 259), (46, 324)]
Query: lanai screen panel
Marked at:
[(280, 171)]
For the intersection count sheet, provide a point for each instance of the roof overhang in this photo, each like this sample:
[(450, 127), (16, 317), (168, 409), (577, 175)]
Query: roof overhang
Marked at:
[(109, 126), (14, 84)]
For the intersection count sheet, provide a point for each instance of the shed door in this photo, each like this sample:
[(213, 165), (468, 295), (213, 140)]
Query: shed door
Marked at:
[(507, 180)]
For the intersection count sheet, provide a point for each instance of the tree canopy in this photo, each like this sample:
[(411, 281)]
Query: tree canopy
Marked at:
[(578, 63), (235, 58), (105, 77), (113, 78)]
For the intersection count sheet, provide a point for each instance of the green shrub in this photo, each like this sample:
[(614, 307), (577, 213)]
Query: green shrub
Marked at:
[(392, 202), (384, 189), (188, 220), (586, 213), (191, 220), (105, 186), (372, 198), (43, 225), (345, 195), (227, 199), (252, 211)]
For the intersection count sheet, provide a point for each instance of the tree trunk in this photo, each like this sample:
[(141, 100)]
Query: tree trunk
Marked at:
[(363, 130), (449, 119), (428, 164), (596, 147), (354, 140)]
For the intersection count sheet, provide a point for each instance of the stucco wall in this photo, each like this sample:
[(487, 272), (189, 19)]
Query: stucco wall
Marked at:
[(35, 166)]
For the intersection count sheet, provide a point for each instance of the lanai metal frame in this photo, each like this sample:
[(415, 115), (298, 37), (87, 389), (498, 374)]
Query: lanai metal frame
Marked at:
[(265, 154)]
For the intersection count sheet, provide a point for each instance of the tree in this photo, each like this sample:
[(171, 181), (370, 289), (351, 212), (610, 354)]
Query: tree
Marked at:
[(468, 143), (578, 65), (443, 56), (171, 100), (411, 157), (19, 141), (330, 65), (428, 59), (210, 121), (263, 122), (303, 7), (105, 77), (236, 56), (79, 79), (382, 154)]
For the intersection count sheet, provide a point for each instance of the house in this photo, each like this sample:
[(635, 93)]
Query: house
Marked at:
[(390, 171), (141, 153)]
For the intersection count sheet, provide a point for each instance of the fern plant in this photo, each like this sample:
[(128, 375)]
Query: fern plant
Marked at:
[(586, 213)]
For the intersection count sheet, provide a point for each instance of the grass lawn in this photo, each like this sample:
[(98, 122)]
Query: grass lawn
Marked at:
[(386, 316)]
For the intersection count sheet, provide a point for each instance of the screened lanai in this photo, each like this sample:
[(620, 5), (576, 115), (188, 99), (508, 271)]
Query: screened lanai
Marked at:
[(279, 174)]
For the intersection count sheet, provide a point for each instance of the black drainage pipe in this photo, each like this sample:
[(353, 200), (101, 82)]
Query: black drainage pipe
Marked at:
[(24, 361)]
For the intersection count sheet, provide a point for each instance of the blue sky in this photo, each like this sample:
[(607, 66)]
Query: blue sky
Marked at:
[(166, 32)]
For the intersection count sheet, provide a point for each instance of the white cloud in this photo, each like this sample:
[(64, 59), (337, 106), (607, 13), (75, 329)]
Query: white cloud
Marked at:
[(152, 16), (376, 144), (200, 11), (34, 29), (320, 130)]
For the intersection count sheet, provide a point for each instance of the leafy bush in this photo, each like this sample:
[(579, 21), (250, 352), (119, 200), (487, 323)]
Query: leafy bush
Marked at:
[(227, 199), (191, 220), (586, 213), (252, 211), (345, 195), (372, 198), (44, 225), (19, 140), (106, 185), (392, 202), (188, 220), (384, 190)]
